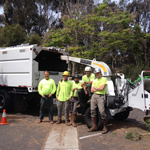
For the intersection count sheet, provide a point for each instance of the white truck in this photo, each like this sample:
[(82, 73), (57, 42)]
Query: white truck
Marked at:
[(21, 69)]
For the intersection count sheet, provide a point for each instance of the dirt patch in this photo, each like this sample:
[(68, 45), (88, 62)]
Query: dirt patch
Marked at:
[(116, 139)]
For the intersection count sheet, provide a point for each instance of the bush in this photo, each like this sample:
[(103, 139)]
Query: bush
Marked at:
[(147, 124), (34, 39), (133, 71), (11, 35)]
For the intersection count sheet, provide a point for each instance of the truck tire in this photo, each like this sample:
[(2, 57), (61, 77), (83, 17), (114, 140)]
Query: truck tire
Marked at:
[(88, 121), (5, 102), (122, 116)]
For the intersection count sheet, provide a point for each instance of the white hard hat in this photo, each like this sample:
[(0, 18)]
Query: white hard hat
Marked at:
[(97, 70), (88, 69)]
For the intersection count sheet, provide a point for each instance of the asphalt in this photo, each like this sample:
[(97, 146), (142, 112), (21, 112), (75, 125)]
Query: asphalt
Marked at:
[(24, 133)]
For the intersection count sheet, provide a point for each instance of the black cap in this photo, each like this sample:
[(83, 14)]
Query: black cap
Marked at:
[(76, 76)]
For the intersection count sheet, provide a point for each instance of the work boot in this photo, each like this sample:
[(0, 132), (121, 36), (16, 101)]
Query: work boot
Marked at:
[(89, 101), (105, 128), (80, 105), (75, 117), (51, 122), (73, 121), (67, 123), (94, 126), (58, 122), (70, 123), (39, 121)]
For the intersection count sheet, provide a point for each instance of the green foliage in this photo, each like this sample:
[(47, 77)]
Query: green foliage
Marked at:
[(131, 71), (129, 135), (11, 35), (84, 32), (34, 39), (133, 136), (2, 18), (8, 12), (114, 133), (58, 38), (27, 14), (147, 124), (108, 33)]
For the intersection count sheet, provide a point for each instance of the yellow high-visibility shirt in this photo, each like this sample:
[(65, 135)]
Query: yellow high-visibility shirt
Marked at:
[(78, 86), (85, 78), (98, 83), (46, 87), (64, 90)]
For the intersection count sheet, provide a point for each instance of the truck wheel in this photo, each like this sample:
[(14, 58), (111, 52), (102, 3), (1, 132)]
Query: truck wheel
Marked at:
[(88, 121), (4, 101), (122, 116)]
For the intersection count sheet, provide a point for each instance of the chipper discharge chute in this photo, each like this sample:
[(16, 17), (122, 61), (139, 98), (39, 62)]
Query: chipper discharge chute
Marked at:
[(139, 97)]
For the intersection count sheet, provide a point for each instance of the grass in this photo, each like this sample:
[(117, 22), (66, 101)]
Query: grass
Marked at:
[(129, 135), (114, 133), (147, 124), (133, 136)]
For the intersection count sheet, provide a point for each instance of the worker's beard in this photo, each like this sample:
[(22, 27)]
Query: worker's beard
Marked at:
[(46, 78), (65, 79), (99, 76)]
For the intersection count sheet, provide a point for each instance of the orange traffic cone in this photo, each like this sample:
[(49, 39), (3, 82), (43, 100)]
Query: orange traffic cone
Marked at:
[(4, 119)]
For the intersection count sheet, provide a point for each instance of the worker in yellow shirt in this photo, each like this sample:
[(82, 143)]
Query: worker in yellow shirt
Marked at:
[(63, 96), (46, 89), (99, 87), (74, 99), (87, 80)]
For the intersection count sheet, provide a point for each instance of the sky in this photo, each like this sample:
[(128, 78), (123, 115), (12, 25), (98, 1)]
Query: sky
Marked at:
[(116, 1), (100, 1), (1, 10)]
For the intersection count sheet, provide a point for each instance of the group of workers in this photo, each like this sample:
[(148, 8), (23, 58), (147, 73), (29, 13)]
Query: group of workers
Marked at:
[(71, 95)]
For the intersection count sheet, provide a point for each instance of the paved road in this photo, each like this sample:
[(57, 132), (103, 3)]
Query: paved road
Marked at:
[(25, 133)]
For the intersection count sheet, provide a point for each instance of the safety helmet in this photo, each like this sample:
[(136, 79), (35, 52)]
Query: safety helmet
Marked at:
[(88, 69), (97, 70), (65, 73), (76, 76)]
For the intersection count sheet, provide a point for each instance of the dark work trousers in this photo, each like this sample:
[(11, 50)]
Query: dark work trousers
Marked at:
[(81, 94), (74, 103), (88, 88), (82, 97), (46, 102)]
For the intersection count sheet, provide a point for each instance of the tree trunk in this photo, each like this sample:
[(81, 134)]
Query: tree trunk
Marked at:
[(73, 68)]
